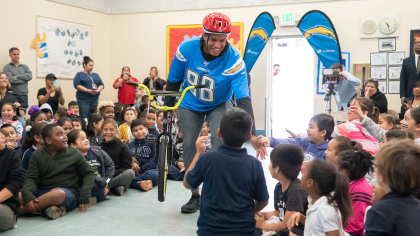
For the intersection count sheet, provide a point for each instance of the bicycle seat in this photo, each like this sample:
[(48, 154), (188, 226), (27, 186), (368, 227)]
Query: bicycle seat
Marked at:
[(165, 93)]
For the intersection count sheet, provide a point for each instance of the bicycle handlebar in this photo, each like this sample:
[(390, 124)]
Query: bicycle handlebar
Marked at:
[(165, 107)]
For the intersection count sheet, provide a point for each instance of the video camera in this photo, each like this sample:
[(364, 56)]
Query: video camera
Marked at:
[(330, 76)]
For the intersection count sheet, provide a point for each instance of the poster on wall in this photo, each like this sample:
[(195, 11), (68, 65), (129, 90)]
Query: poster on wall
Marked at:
[(60, 47), (322, 88), (414, 33), (176, 34)]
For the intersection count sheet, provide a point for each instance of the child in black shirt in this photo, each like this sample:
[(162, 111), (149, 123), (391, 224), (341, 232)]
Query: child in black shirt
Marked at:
[(234, 187), (285, 164)]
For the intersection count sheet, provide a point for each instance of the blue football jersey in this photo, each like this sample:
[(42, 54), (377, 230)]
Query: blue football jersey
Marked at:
[(222, 76)]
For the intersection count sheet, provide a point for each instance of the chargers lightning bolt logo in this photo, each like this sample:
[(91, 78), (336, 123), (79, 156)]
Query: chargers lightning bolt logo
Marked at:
[(259, 32), (319, 30)]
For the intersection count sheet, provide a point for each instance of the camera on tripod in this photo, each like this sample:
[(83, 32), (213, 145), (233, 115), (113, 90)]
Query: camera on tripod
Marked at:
[(330, 77)]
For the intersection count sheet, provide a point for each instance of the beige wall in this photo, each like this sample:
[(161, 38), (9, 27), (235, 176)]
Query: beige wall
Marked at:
[(145, 44), (18, 22), (139, 40)]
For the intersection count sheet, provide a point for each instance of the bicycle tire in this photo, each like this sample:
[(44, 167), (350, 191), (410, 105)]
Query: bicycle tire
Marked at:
[(163, 169)]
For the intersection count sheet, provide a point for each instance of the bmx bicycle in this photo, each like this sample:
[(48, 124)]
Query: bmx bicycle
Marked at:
[(164, 141)]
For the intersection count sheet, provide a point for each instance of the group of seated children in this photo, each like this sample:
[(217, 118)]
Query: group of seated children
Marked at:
[(350, 183), (64, 163)]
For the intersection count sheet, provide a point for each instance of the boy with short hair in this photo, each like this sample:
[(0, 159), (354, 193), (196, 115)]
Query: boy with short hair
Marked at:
[(285, 165), (73, 106), (319, 132), (234, 187), (12, 138), (53, 177), (11, 180)]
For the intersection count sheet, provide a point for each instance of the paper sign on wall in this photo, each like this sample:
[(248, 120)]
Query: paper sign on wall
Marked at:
[(60, 47)]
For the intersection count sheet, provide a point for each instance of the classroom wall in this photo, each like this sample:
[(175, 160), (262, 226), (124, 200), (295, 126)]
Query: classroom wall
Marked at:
[(18, 28), (140, 39)]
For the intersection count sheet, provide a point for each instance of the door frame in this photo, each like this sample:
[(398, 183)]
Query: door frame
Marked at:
[(269, 99)]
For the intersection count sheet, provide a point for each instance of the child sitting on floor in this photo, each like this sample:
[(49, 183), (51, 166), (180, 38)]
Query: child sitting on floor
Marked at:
[(125, 130), (285, 164), (94, 129), (106, 110), (37, 117), (397, 213), (33, 141), (66, 124), (8, 116), (327, 213), (386, 122), (340, 144), (236, 177), (12, 138), (353, 128), (101, 164), (356, 165), (54, 173), (319, 131), (205, 131), (12, 177), (120, 155), (61, 112), (73, 106)]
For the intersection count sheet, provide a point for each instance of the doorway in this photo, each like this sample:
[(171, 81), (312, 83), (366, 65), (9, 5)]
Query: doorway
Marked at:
[(292, 85)]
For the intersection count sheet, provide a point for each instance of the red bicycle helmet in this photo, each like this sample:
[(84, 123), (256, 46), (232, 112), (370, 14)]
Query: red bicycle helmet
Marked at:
[(217, 23)]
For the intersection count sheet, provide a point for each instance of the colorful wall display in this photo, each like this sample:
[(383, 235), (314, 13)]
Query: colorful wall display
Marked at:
[(60, 47)]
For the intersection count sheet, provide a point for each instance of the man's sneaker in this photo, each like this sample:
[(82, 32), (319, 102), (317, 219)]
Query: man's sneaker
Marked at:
[(193, 204), (146, 185), (119, 191), (93, 201), (55, 212)]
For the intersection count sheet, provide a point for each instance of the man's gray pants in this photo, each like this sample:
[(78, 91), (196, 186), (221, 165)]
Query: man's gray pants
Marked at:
[(191, 123)]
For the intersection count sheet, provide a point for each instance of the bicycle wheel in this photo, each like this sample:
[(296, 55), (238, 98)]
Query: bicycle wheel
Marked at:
[(163, 169)]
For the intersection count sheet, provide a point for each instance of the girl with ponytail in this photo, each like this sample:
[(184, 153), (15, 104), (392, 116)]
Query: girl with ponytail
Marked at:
[(356, 165), (354, 130), (33, 140), (327, 213)]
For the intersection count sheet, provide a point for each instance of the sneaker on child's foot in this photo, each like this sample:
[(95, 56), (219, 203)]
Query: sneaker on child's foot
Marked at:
[(146, 185), (119, 191), (193, 204), (55, 212), (93, 201)]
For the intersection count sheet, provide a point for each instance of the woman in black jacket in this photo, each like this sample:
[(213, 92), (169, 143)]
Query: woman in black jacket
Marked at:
[(153, 82), (378, 98)]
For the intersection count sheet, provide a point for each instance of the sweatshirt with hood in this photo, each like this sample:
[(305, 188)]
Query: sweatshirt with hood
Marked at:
[(46, 106), (355, 131), (310, 149)]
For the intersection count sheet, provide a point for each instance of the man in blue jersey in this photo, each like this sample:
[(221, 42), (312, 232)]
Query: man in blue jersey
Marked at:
[(208, 60)]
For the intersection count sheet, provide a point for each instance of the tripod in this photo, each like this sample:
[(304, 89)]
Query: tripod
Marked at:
[(327, 98)]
